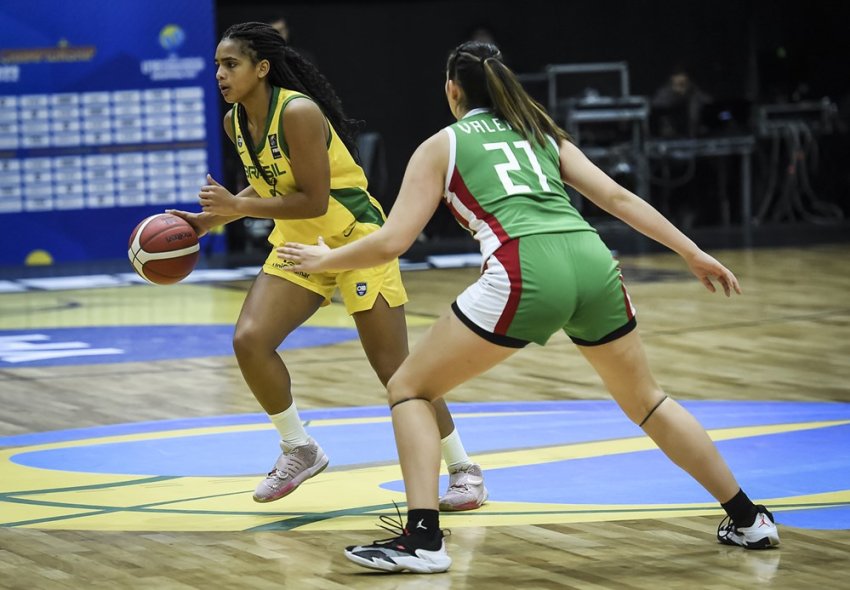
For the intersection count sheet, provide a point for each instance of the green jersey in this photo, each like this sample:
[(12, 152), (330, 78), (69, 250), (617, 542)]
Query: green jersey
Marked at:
[(501, 186)]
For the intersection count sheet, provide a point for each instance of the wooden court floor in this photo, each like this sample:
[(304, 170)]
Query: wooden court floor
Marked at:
[(786, 338)]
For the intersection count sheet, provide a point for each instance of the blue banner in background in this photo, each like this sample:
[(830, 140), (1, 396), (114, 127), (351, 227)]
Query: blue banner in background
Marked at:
[(109, 112)]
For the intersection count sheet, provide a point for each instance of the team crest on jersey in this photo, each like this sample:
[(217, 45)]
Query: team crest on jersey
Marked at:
[(274, 147), (239, 141), (361, 289)]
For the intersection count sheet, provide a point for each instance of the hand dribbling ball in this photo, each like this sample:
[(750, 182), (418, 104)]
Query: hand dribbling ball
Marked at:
[(163, 249)]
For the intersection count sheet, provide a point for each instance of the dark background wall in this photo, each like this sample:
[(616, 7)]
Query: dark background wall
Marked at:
[(386, 59)]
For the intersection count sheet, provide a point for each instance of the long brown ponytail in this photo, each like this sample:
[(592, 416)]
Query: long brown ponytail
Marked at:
[(487, 82)]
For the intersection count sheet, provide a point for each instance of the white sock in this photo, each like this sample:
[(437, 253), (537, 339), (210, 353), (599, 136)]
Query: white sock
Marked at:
[(453, 452), (288, 424)]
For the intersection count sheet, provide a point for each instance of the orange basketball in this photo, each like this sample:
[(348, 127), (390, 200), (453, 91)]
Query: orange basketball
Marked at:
[(163, 249)]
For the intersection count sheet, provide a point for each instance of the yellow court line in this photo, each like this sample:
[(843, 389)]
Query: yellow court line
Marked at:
[(210, 430), (24, 477), (629, 445), (338, 500), (642, 442)]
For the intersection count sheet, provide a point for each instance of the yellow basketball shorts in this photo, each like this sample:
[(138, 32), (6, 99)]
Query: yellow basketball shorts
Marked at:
[(359, 288)]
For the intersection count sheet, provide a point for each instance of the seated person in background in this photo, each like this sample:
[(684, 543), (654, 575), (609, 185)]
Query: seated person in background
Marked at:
[(677, 106)]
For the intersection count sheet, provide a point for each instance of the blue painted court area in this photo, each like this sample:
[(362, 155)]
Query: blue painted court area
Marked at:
[(122, 344), (776, 466)]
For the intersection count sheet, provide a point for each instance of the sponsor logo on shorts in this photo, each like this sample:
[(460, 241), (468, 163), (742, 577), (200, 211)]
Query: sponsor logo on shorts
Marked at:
[(283, 264), (361, 289)]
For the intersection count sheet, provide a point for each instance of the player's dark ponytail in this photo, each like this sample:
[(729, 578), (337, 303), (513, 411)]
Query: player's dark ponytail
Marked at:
[(289, 69), (489, 83)]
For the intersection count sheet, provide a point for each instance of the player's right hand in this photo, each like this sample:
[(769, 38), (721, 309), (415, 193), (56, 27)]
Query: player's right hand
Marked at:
[(304, 258), (196, 220)]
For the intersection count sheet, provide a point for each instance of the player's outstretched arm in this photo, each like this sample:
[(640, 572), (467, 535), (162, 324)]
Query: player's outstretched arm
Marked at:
[(420, 194), (582, 174)]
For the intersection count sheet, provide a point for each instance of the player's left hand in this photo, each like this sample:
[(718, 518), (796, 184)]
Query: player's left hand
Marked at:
[(305, 258), (216, 199), (706, 268)]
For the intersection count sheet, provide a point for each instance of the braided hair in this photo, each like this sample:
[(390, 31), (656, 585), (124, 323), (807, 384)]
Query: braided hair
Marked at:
[(488, 83), (288, 69)]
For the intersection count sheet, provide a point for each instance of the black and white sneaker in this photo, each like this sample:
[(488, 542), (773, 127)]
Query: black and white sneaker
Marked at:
[(762, 534), (403, 552)]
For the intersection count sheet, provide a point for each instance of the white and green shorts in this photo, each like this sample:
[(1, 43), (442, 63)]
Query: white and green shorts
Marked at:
[(535, 285)]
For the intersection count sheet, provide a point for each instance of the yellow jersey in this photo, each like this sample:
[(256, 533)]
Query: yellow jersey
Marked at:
[(349, 200)]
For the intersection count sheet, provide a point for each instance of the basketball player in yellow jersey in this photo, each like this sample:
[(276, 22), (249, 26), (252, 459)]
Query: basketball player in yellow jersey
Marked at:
[(296, 146)]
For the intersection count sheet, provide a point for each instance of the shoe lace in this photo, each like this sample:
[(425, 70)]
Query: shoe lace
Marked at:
[(461, 483), (392, 524), (395, 526), (726, 527), (293, 465)]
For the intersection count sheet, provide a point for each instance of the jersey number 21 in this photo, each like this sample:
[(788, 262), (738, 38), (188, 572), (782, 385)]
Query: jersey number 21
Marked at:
[(513, 165)]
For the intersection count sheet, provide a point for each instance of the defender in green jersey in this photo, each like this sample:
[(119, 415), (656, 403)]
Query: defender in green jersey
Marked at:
[(508, 192), (501, 170)]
